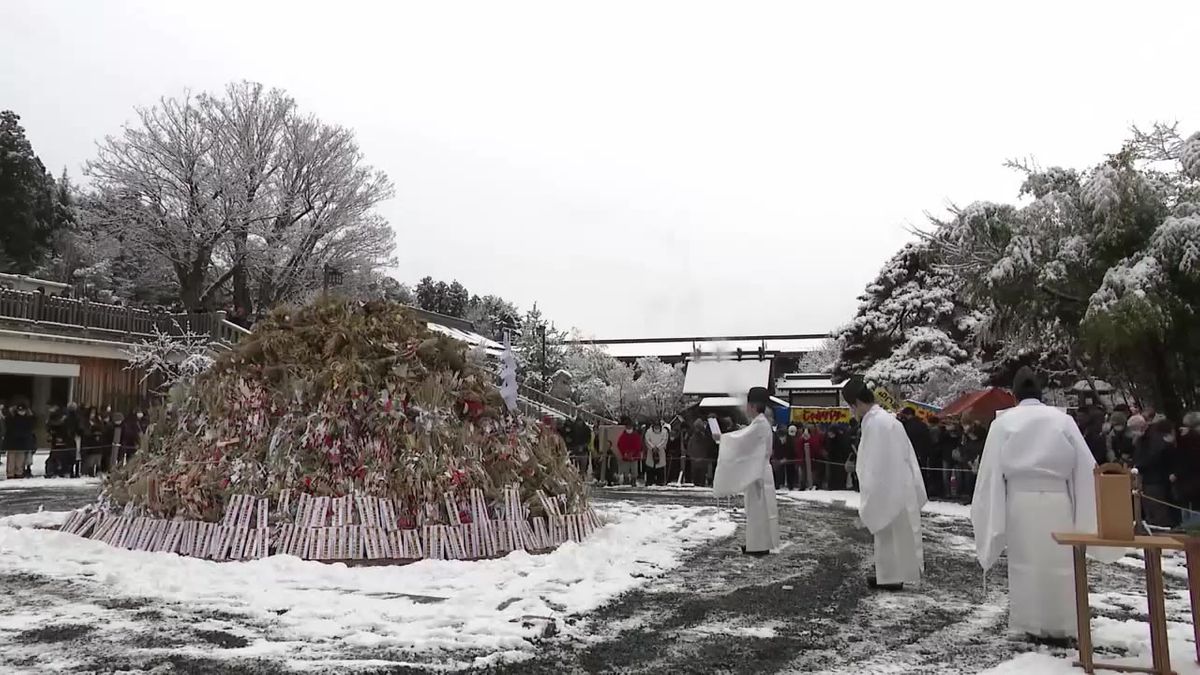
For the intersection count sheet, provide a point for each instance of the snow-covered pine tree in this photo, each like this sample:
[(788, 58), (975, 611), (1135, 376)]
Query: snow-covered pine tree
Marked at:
[(910, 328), (539, 348), (1092, 276)]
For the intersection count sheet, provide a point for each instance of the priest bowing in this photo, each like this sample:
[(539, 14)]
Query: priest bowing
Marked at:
[(744, 466), (891, 488)]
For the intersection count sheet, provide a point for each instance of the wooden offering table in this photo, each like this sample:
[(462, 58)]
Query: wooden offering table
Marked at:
[(1152, 548)]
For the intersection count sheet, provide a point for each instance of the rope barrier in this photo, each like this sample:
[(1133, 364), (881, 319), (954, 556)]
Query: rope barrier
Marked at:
[(774, 462)]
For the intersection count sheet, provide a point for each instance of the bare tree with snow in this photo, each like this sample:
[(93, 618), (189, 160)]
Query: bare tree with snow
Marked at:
[(242, 193)]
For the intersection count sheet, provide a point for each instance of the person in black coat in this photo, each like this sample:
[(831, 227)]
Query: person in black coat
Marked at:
[(922, 442), (837, 442), (701, 451), (1185, 465), (132, 428), (19, 435), (780, 446), (1153, 459)]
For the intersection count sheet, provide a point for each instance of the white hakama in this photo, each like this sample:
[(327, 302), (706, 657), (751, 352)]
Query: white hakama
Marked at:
[(1035, 479), (893, 493), (744, 466), (899, 556)]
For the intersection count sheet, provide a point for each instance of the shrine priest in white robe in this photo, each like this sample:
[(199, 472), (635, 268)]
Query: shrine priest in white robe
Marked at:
[(1035, 479), (892, 490), (744, 466)]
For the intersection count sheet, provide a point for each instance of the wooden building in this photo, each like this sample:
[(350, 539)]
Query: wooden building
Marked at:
[(56, 350)]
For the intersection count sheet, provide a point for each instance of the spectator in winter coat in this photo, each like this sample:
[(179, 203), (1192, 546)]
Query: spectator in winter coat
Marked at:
[(19, 438), (629, 451), (949, 439), (675, 448), (781, 451), (810, 453), (1153, 459), (1119, 442), (922, 442), (97, 442), (837, 443), (1185, 465), (1091, 425), (701, 451), (655, 439), (580, 442), (969, 455), (132, 429)]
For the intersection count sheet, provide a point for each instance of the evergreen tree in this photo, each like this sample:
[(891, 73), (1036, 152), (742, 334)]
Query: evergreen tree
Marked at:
[(438, 296), (539, 349), (492, 315), (30, 211), (1096, 275), (910, 327)]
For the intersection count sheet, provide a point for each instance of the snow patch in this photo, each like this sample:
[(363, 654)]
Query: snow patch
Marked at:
[(304, 611)]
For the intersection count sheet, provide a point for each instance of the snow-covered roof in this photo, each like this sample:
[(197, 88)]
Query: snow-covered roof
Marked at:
[(474, 339), (806, 381), (725, 376), (749, 347), (1101, 386), (721, 402), (733, 401)]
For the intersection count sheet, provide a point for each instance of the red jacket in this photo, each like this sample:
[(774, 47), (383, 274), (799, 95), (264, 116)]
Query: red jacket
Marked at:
[(816, 443), (629, 446)]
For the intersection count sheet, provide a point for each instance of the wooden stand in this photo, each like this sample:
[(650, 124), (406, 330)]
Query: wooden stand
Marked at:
[(1152, 548)]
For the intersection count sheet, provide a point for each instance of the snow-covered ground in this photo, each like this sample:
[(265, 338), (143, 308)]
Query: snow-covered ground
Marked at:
[(662, 585), (1119, 629), (456, 614)]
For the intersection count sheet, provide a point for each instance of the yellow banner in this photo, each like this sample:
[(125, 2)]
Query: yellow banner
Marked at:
[(821, 415), (924, 411), (885, 399)]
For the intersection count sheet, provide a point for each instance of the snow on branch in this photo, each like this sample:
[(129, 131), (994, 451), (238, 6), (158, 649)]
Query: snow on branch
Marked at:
[(176, 356)]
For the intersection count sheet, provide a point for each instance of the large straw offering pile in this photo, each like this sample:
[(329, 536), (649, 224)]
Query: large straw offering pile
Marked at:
[(343, 431)]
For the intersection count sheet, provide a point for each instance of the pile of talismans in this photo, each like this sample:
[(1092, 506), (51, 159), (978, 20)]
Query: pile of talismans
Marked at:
[(342, 431)]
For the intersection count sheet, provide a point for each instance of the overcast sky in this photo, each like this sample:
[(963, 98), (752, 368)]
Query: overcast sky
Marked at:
[(641, 168)]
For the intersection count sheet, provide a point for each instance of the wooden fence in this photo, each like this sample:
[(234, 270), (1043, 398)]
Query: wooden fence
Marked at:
[(112, 321)]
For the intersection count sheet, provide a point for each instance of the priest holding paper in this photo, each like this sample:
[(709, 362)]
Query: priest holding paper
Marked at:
[(892, 489), (744, 465), (1035, 479)]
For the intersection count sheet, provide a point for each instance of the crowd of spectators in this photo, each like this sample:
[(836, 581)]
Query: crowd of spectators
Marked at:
[(81, 441)]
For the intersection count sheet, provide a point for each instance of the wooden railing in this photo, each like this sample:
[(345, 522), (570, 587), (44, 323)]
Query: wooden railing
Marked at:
[(566, 408), (111, 321)]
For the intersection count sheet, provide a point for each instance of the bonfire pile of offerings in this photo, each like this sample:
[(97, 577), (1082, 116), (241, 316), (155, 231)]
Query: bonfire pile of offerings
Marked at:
[(343, 431)]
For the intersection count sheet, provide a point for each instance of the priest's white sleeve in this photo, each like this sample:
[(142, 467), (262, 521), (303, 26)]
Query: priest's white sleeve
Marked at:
[(740, 459), (1083, 493), (989, 505)]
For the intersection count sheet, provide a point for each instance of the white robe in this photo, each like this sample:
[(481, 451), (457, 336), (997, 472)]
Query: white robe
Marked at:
[(1035, 478), (744, 465), (892, 496)]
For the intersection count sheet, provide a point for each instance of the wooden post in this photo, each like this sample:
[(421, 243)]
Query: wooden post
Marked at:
[(1158, 613), (1083, 611), (1193, 572)]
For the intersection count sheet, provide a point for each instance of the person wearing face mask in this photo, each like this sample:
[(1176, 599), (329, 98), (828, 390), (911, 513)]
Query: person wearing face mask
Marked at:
[(630, 449), (1119, 440), (132, 428)]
